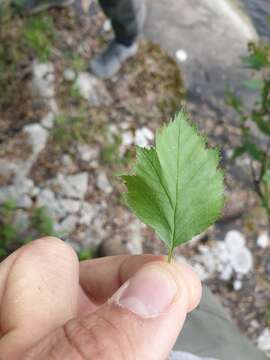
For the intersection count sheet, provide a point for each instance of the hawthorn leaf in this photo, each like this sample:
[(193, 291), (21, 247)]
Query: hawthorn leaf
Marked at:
[(176, 188)]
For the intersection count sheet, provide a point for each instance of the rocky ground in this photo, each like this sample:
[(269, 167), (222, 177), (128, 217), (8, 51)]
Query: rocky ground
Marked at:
[(65, 135)]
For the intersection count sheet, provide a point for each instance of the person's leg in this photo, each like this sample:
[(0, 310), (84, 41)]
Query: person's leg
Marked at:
[(123, 18), (210, 333), (127, 17)]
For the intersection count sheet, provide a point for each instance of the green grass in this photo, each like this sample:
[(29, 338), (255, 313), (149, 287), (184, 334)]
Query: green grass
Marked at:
[(22, 39), (110, 152), (78, 63), (39, 35), (8, 232), (40, 224), (69, 129)]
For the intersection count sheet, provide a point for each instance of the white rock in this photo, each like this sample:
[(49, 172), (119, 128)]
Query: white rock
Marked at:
[(254, 324), (229, 153), (107, 25), (221, 253), (57, 209), (134, 246), (127, 138), (87, 213), (234, 240), (24, 185), (103, 183), (66, 160), (69, 206), (19, 192), (135, 241), (92, 89), (263, 340), (48, 120), (7, 193), (87, 153), (181, 55), (242, 261), (53, 106), (200, 271), (143, 137), (263, 240), (44, 79), (203, 249), (73, 186), (37, 137), (69, 74), (45, 197), (237, 285), (67, 226), (10, 169), (210, 263), (226, 273), (34, 192), (24, 201)]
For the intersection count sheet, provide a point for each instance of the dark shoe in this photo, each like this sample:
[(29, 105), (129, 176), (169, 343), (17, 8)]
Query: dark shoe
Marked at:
[(111, 59), (34, 6)]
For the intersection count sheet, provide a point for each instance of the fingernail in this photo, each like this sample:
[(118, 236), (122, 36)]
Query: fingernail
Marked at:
[(149, 293)]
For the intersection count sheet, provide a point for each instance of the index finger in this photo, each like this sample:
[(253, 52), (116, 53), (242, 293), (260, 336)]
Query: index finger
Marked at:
[(101, 278)]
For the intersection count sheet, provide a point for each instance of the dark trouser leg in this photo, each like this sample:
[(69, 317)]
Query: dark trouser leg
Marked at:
[(123, 17)]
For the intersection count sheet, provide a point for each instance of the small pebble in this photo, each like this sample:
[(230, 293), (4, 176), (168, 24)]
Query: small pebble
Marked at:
[(69, 74), (181, 55), (263, 240), (237, 285)]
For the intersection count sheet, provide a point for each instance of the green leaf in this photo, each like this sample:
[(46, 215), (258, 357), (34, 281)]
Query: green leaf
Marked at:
[(176, 187)]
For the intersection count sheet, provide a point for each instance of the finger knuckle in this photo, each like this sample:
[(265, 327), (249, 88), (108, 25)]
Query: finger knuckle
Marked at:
[(98, 338)]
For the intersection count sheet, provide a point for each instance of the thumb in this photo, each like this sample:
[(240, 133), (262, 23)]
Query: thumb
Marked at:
[(141, 321)]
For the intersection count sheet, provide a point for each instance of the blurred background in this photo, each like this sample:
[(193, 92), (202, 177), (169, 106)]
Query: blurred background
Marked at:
[(65, 134)]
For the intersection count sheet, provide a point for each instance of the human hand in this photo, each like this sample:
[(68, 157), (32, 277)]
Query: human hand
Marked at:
[(115, 308)]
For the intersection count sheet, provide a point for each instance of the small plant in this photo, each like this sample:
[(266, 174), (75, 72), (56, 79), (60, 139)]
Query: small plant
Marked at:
[(85, 254), (22, 39), (39, 36), (110, 151), (68, 129), (8, 232), (176, 187), (256, 147), (42, 222), (78, 63)]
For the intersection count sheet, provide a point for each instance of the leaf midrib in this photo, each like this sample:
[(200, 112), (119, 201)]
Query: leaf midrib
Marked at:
[(177, 189)]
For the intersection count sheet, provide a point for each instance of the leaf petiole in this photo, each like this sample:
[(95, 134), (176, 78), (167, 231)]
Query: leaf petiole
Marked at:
[(170, 255)]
